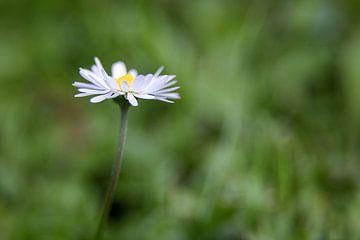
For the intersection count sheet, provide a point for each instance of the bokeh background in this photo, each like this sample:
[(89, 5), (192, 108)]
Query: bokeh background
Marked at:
[(264, 143)]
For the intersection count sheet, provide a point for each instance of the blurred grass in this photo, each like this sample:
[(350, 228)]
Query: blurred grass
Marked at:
[(264, 143)]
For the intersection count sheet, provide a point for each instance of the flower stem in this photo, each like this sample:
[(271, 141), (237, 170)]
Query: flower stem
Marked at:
[(115, 172)]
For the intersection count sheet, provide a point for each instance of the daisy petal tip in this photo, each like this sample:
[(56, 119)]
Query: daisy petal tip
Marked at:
[(98, 63), (160, 69), (118, 69), (96, 99), (132, 100)]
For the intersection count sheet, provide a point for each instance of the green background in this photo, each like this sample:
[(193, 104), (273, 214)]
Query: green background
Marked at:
[(264, 143)]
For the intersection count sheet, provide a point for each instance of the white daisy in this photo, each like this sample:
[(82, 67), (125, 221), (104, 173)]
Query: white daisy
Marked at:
[(129, 84)]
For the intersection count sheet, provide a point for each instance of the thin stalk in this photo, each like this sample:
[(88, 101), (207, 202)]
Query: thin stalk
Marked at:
[(115, 172)]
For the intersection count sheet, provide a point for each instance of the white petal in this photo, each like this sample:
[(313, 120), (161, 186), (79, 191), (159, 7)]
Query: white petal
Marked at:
[(146, 82), (114, 94), (111, 82), (164, 100), (99, 98), (144, 96), (118, 69), (137, 83), (133, 72), (132, 100), (168, 95), (157, 73), (170, 84), (124, 86), (103, 75), (95, 69), (93, 91), (166, 90), (98, 64), (170, 77), (92, 77), (86, 85), (156, 84)]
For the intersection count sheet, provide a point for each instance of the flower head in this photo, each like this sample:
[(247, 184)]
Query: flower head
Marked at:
[(130, 84)]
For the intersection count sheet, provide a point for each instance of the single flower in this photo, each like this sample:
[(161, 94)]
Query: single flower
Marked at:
[(129, 84)]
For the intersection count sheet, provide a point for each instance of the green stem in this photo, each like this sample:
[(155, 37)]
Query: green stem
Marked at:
[(115, 172)]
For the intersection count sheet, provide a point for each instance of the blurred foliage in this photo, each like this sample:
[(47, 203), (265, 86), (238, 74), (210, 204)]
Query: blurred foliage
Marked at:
[(264, 143)]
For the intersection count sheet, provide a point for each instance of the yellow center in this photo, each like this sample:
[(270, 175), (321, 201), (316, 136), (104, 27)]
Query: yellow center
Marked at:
[(127, 77)]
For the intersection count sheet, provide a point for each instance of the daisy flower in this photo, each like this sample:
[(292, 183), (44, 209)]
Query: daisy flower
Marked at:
[(123, 83)]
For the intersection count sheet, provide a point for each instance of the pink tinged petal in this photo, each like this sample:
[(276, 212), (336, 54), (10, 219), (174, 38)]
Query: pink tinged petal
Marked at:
[(118, 69), (132, 100), (124, 86)]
